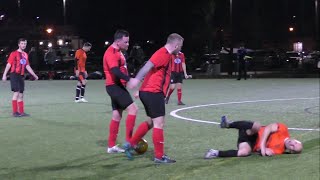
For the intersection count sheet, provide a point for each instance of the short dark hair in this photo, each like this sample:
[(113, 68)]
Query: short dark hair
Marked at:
[(120, 33), (87, 44), (174, 37), (21, 39)]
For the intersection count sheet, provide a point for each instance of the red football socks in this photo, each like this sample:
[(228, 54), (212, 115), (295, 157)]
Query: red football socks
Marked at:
[(142, 130), (179, 93), (158, 142), (113, 133), (130, 121), (170, 92), (21, 107), (14, 106)]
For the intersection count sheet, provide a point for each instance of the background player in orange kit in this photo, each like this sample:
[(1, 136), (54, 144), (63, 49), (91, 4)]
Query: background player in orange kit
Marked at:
[(81, 73)]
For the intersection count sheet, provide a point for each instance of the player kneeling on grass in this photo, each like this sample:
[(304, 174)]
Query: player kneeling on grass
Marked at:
[(269, 140)]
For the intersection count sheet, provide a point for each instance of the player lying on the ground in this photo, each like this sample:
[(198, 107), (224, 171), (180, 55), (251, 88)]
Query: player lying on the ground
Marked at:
[(269, 140)]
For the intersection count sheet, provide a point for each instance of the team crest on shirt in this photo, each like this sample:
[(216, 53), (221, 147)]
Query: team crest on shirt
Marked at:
[(23, 61), (177, 60)]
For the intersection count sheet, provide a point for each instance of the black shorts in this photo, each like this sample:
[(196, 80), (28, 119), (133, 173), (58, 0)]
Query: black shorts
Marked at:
[(153, 103), (176, 77), (120, 97), (17, 82), (244, 137)]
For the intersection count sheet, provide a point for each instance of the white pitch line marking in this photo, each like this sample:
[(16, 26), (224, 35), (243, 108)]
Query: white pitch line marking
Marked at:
[(174, 113)]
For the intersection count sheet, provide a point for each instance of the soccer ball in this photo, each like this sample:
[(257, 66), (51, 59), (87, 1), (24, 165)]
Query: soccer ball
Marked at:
[(142, 146)]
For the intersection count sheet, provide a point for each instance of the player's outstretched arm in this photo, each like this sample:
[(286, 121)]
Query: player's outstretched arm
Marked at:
[(133, 83)]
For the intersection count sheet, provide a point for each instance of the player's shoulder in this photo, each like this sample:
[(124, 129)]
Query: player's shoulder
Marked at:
[(282, 125), (15, 52), (181, 53)]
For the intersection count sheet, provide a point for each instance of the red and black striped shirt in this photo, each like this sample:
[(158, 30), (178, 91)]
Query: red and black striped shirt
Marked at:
[(18, 61), (176, 62)]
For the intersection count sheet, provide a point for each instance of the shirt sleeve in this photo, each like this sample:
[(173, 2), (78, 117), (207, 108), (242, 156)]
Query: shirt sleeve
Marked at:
[(11, 58), (27, 59), (157, 60), (183, 59)]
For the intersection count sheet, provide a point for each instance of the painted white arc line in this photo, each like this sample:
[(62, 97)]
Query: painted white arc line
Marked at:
[(174, 113)]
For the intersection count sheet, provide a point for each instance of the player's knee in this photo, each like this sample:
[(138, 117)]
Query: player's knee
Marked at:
[(150, 124), (15, 95), (158, 122), (116, 116), (244, 152), (256, 127), (20, 96), (133, 109)]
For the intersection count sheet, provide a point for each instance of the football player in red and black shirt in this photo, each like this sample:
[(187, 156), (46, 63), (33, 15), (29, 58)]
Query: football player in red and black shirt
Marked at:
[(18, 61), (115, 69), (152, 92), (178, 72)]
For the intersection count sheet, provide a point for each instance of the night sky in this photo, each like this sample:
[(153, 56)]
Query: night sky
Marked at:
[(98, 19)]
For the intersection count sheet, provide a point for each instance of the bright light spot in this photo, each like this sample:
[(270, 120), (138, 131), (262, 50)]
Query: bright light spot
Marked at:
[(49, 44), (37, 17), (106, 43), (60, 42), (49, 30), (291, 29), (41, 43), (2, 16), (294, 16), (67, 43)]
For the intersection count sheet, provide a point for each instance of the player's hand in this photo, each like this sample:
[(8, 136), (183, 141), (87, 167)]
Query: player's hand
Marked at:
[(4, 78), (186, 76), (36, 77), (136, 94), (133, 83), (77, 73), (269, 152), (263, 151), (85, 74)]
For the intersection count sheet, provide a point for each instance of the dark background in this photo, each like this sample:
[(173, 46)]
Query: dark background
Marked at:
[(96, 20)]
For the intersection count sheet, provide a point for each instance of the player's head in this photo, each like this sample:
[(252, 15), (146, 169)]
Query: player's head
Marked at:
[(175, 42), (293, 146), (22, 43), (87, 46), (121, 39)]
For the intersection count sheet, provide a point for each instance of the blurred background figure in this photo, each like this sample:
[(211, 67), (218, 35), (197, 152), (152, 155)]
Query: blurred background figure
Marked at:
[(33, 59), (242, 68), (136, 57), (50, 58)]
